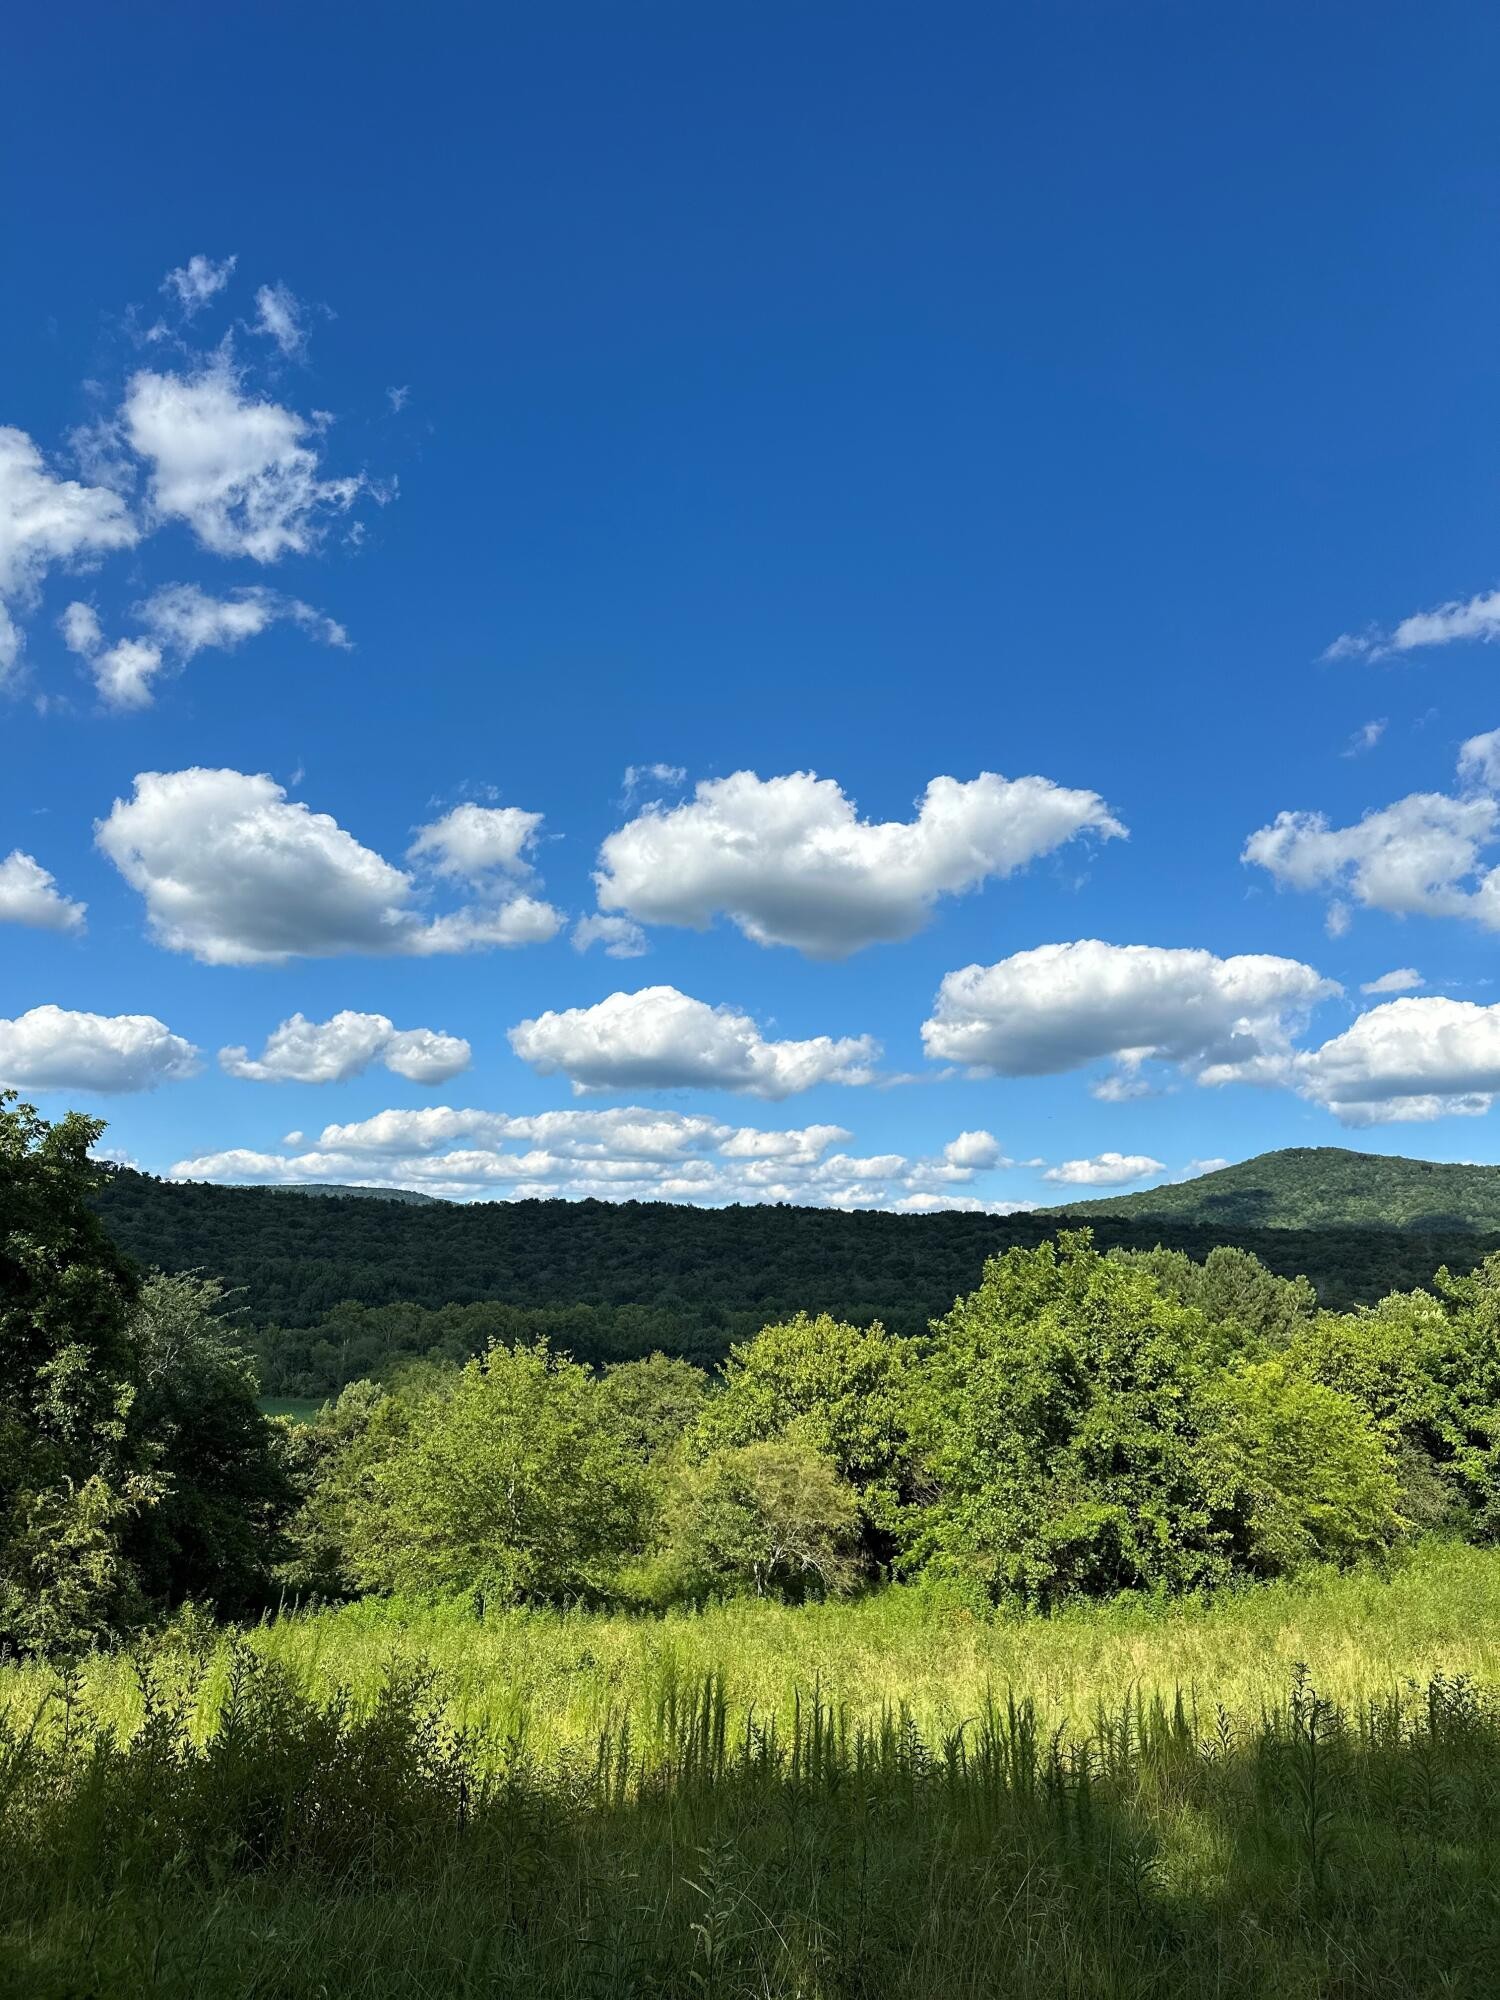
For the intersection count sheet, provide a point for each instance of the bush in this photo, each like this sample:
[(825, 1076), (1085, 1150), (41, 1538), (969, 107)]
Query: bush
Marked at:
[(1060, 1431), (840, 1390), (504, 1480), (1302, 1470), (771, 1518)]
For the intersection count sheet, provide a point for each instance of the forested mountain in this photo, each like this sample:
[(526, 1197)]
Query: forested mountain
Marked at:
[(609, 1280), (1321, 1187), (410, 1196)]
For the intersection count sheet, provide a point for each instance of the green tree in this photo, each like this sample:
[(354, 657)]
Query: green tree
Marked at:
[(1304, 1473), (330, 1464), (652, 1402), (1426, 1365), (843, 1391), (72, 1470), (215, 1534), (1060, 1429), (505, 1480), (1234, 1291), (772, 1518)]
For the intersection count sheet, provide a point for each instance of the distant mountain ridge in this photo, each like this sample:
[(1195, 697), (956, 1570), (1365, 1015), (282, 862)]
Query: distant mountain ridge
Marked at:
[(1318, 1187), (411, 1196)]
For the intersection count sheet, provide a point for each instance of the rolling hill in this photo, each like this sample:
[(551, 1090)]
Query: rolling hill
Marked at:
[(1318, 1187)]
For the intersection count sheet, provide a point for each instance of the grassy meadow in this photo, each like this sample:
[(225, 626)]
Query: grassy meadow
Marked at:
[(1289, 1790)]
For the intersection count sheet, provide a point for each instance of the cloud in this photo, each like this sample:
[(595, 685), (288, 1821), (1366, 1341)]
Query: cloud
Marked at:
[(620, 937), (963, 1204), (29, 895), (53, 1049), (235, 873), (660, 1039), (973, 1149), (185, 619), (1105, 1170), (182, 621), (476, 841), (46, 521), (303, 1051), (1402, 980), (123, 673), (1061, 1006), (279, 317), (81, 630), (1418, 857), (621, 1154), (241, 474), (789, 861), (1196, 1169), (1479, 760), (1406, 1062), (1365, 738), (639, 776), (197, 281), (398, 398), (1460, 619)]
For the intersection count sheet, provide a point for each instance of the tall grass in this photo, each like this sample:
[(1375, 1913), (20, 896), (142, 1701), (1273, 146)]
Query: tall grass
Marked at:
[(885, 1798)]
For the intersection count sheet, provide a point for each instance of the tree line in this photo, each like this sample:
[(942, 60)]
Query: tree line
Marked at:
[(343, 1287)]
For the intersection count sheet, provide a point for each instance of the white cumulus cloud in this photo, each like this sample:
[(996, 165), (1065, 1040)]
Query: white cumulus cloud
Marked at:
[(1061, 1006), (46, 521), (241, 473), (621, 1154), (1105, 1170), (52, 1048), (303, 1051), (236, 873), (181, 621), (1406, 1062), (660, 1039), (475, 841), (30, 895), (790, 862), (1421, 856), (1402, 980)]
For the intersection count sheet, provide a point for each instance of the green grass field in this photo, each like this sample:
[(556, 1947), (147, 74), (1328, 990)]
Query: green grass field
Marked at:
[(883, 1797), (301, 1409)]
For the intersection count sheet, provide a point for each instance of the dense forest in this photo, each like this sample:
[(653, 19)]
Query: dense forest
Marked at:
[(610, 1281)]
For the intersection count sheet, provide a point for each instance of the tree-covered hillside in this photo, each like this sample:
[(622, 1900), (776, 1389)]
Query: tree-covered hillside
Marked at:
[(632, 1276), (1321, 1187)]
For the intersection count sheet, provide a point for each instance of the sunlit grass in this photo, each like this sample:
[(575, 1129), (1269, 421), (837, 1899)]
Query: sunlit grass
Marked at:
[(556, 1679)]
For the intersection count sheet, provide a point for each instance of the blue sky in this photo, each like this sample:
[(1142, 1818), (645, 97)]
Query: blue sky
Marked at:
[(928, 403)]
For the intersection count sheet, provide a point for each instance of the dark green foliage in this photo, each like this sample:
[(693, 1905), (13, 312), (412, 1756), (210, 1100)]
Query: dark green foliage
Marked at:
[(615, 1281), (71, 1469), (136, 1468), (1317, 1187), (225, 1491)]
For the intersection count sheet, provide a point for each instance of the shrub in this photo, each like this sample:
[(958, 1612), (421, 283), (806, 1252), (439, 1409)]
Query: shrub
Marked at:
[(772, 1518)]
